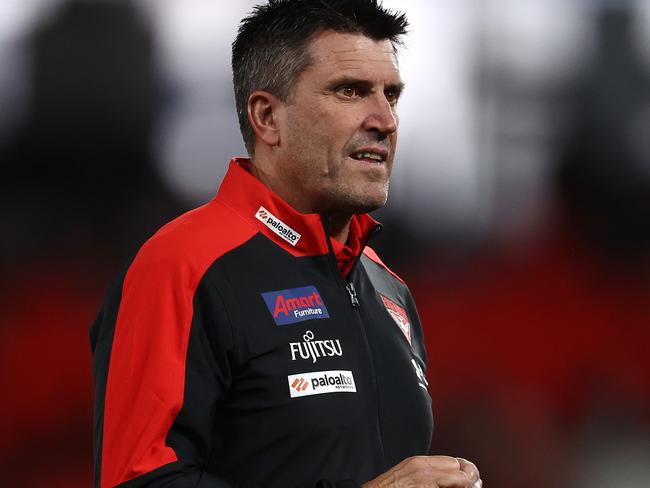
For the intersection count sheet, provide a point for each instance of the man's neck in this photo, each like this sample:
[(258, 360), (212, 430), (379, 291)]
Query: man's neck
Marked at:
[(339, 224), (340, 227)]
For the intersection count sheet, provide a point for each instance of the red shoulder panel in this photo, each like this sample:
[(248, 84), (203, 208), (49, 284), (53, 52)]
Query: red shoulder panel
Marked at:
[(368, 251), (146, 376)]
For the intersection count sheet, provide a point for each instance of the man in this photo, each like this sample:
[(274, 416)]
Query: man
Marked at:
[(257, 340)]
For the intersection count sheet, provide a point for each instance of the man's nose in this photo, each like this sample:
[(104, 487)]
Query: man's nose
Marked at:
[(381, 117)]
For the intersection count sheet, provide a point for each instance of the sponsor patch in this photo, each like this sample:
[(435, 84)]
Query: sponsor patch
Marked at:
[(277, 226), (315, 349), (295, 305), (399, 315), (318, 382)]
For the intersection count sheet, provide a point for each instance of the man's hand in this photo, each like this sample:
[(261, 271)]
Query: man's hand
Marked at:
[(429, 472)]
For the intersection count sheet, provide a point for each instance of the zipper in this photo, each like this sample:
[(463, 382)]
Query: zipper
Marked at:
[(353, 294), (354, 300), (349, 286), (371, 235)]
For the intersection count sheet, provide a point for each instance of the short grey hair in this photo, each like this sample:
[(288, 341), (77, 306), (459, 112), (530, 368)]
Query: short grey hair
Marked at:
[(271, 49)]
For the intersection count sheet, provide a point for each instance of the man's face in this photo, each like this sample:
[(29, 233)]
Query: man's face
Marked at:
[(339, 130)]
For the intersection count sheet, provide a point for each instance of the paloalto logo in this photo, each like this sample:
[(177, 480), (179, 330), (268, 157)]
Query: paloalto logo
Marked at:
[(315, 349), (318, 382), (277, 226)]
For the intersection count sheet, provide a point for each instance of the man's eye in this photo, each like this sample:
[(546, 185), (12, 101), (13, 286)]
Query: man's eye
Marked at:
[(391, 96), (349, 91)]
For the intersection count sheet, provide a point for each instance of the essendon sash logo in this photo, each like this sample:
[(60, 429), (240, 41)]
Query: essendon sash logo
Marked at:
[(399, 315), (295, 305)]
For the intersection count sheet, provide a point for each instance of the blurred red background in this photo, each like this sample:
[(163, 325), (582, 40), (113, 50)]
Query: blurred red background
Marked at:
[(535, 300)]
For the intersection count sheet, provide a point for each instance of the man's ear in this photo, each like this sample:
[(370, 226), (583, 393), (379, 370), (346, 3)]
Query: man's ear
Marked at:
[(263, 116)]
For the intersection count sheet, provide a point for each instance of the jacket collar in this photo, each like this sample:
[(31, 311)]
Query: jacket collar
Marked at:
[(299, 234)]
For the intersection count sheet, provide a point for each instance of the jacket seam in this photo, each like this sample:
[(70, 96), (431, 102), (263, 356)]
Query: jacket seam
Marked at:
[(235, 341)]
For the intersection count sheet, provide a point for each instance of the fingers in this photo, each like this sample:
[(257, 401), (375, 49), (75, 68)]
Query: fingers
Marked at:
[(442, 462), (471, 476), (470, 470), (455, 479), (446, 471), (438, 471)]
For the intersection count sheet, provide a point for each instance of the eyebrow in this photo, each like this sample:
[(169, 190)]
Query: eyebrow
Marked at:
[(363, 83)]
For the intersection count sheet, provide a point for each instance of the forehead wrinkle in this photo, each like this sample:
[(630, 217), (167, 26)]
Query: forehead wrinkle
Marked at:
[(354, 49), (362, 56), (363, 59), (358, 59), (370, 69), (343, 66)]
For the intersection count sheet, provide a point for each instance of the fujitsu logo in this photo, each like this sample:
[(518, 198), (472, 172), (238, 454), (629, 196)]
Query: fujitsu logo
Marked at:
[(299, 384), (315, 349), (277, 226)]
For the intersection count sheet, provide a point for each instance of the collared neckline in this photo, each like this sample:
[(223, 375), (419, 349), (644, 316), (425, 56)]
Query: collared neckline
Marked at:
[(280, 222), (361, 229)]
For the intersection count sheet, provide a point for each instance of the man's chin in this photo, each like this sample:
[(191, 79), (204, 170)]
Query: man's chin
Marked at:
[(368, 203), (350, 200)]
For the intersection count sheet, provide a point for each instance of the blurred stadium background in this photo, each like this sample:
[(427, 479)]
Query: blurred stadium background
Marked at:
[(519, 214)]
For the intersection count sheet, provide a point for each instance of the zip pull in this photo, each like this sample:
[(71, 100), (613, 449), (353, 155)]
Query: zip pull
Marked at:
[(353, 295)]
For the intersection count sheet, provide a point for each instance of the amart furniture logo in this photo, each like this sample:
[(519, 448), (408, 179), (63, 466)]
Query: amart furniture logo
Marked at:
[(295, 305)]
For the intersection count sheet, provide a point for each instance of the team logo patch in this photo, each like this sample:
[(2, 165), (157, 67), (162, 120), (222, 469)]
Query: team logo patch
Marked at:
[(277, 226), (318, 382), (295, 305), (399, 315)]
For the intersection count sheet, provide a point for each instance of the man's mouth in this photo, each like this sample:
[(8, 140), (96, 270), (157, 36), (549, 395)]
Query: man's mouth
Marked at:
[(369, 157)]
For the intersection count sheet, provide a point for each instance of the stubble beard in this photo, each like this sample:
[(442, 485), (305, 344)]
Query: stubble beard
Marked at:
[(334, 190), (350, 201)]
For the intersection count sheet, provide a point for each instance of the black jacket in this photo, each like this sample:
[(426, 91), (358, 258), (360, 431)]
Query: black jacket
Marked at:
[(234, 353)]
